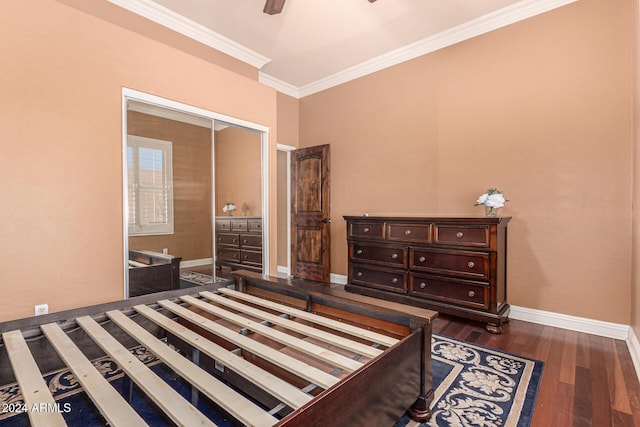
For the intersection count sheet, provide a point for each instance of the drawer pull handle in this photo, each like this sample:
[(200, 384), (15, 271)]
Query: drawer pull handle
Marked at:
[(394, 280), (246, 257), (235, 256), (366, 229), (245, 241), (407, 232), (423, 285), (459, 234), (472, 294), (234, 240), (359, 252), (422, 259), (394, 256), (471, 264), (359, 274)]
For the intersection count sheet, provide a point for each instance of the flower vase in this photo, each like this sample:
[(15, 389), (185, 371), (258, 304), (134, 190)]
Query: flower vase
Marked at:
[(490, 211)]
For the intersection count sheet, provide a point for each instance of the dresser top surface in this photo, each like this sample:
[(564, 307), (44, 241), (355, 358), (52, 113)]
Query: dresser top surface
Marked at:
[(238, 217), (441, 219)]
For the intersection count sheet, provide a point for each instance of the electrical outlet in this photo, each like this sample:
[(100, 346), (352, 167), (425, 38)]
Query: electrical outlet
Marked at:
[(41, 309), (165, 251)]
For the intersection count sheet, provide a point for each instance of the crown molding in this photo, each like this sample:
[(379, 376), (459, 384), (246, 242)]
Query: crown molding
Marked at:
[(501, 18), (279, 85), (167, 18)]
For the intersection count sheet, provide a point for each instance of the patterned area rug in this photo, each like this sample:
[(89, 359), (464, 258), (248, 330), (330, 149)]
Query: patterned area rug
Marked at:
[(194, 278), (474, 386), (479, 386)]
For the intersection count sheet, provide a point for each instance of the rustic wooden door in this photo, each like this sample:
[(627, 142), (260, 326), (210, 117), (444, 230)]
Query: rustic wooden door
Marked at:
[(310, 233)]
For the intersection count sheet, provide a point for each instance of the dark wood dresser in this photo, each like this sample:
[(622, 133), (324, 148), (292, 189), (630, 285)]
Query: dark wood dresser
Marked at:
[(453, 265), (239, 242)]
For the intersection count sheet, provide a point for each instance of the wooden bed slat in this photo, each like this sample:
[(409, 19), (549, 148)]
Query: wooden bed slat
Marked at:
[(230, 400), (169, 400), (292, 365), (106, 398), (339, 341), (308, 348), (282, 390), (334, 324), (40, 404)]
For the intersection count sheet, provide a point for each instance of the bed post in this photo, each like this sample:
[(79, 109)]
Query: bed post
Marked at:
[(240, 284), (420, 410)]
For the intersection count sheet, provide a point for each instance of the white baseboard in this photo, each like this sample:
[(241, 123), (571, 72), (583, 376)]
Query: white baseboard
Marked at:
[(634, 349), (283, 269), (580, 324), (338, 278), (196, 262), (616, 331), (573, 323)]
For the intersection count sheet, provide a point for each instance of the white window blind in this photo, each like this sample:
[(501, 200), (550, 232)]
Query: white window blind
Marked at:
[(150, 186)]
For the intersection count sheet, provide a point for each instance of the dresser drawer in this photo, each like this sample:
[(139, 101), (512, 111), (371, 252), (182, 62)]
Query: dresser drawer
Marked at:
[(367, 230), (239, 225), (385, 279), (251, 257), (228, 239), (466, 264), (393, 256), (223, 224), (228, 254), (251, 241), (406, 232), (462, 235), (254, 225), (458, 292)]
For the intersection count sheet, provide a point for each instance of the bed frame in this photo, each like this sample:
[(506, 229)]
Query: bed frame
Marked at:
[(151, 272), (306, 353)]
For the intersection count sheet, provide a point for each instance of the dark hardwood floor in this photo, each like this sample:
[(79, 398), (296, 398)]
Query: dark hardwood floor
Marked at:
[(587, 380)]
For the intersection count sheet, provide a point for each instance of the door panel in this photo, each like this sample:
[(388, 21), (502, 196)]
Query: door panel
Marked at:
[(310, 212)]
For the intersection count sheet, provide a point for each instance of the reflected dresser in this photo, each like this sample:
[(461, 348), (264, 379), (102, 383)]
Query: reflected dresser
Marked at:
[(239, 242), (453, 265)]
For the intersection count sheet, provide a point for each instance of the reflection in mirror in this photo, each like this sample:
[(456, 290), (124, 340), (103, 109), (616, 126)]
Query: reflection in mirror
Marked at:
[(179, 176), (169, 196), (238, 189)]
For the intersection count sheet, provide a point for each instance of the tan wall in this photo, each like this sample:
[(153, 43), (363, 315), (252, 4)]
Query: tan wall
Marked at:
[(191, 146), (288, 134), (61, 164), (540, 109), (283, 201), (635, 296), (288, 120), (114, 14), (238, 171)]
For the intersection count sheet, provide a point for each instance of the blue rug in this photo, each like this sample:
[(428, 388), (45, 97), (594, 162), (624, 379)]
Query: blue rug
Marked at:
[(479, 386), (474, 386), (190, 279)]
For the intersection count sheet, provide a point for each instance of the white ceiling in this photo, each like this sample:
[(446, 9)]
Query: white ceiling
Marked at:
[(316, 44)]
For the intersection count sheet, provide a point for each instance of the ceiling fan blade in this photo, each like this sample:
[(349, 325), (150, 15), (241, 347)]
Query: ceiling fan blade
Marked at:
[(273, 7)]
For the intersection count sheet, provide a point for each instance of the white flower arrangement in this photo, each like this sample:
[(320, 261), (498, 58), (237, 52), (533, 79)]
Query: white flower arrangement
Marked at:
[(492, 198), (229, 207)]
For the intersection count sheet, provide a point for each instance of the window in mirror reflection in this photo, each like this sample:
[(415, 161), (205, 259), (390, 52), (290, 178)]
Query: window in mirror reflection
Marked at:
[(150, 186)]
